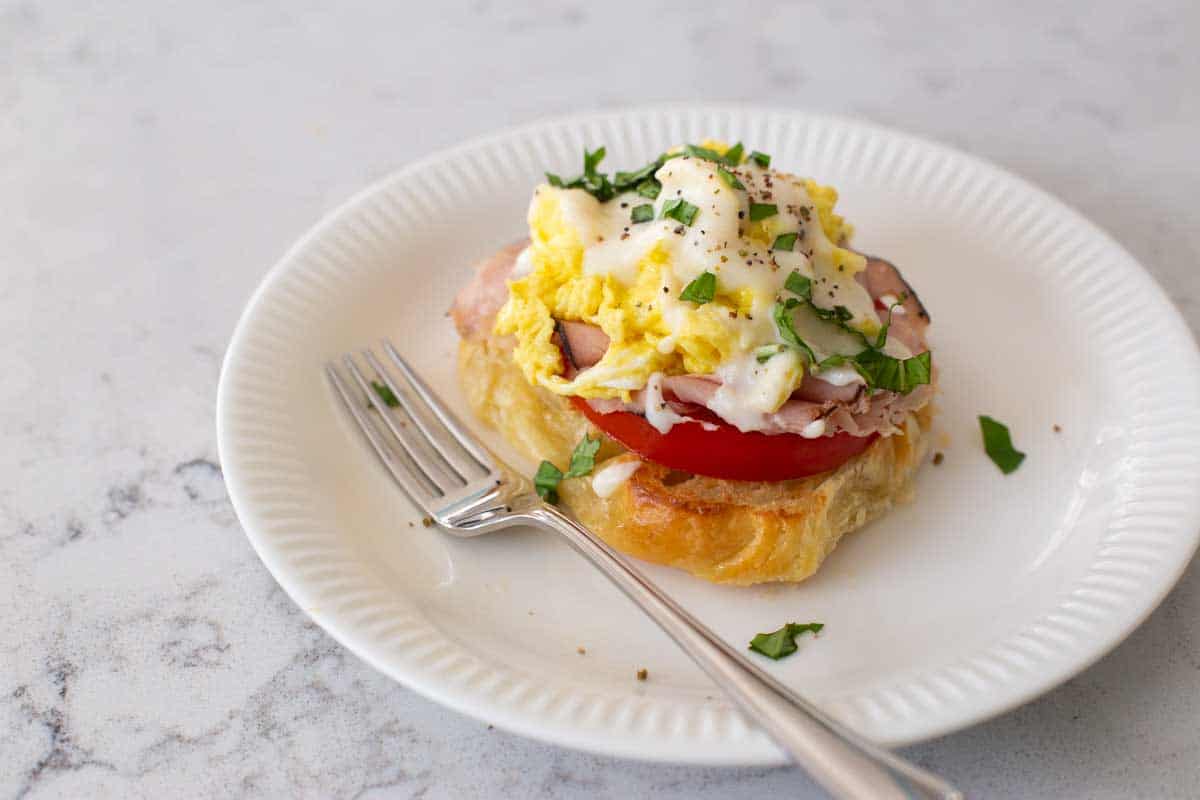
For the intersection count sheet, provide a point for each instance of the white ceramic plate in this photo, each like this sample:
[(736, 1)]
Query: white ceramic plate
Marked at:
[(987, 592)]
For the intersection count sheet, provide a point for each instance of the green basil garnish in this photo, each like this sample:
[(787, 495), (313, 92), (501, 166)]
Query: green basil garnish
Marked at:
[(760, 211), (385, 394), (680, 210), (785, 241), (642, 213), (894, 374), (782, 314), (546, 481), (701, 290), (583, 460), (649, 188), (583, 457), (998, 444), (730, 179), (782, 642), (696, 151), (798, 284)]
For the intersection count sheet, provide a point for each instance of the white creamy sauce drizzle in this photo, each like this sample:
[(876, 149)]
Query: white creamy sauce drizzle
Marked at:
[(896, 348), (750, 391), (658, 413), (614, 245), (814, 429), (611, 477), (524, 264), (840, 376)]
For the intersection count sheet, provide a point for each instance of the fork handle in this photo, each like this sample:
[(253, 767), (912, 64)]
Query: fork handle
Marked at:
[(847, 765)]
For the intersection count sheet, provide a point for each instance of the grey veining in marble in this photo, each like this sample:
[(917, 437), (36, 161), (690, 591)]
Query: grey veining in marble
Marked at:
[(155, 160)]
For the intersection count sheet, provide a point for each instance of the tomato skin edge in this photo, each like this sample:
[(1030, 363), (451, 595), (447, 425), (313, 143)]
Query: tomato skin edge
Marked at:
[(726, 452)]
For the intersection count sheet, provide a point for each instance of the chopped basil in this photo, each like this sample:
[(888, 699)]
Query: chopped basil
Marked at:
[(762, 159), (583, 458), (732, 157), (700, 290), (548, 476), (785, 241), (730, 179), (834, 360), (782, 313), (782, 642), (642, 213), (881, 339), (839, 315), (624, 180), (594, 183), (546, 481), (385, 394), (763, 354), (798, 284), (592, 160), (649, 188), (878, 369), (681, 210), (696, 151), (894, 374), (642, 180), (760, 211), (999, 446)]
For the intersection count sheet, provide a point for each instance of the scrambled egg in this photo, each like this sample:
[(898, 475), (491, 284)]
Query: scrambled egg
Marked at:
[(591, 262)]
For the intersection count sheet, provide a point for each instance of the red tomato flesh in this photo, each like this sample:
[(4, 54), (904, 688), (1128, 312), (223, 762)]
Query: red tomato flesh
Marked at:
[(726, 452)]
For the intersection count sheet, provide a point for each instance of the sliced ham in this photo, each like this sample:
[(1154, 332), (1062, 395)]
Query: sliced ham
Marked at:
[(882, 278), (477, 303), (583, 344), (909, 331), (695, 389)]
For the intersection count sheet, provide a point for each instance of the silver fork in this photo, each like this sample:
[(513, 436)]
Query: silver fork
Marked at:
[(469, 492)]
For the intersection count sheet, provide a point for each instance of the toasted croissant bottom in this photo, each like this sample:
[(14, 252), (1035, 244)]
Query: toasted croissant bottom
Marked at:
[(724, 531)]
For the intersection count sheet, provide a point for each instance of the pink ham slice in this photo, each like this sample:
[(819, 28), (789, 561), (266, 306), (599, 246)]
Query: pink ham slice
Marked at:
[(909, 331), (583, 344), (478, 302), (882, 278)]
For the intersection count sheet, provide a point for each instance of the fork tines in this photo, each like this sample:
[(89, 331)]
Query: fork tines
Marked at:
[(427, 450)]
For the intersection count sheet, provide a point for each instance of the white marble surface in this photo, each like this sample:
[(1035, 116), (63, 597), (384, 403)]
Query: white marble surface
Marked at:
[(155, 160)]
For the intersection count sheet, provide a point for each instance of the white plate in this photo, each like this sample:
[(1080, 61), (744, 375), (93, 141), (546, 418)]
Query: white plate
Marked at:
[(987, 592)]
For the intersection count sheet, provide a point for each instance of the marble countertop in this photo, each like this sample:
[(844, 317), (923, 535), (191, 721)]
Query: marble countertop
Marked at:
[(154, 162)]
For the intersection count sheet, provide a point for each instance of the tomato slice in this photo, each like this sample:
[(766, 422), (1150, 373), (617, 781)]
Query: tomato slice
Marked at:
[(726, 452)]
